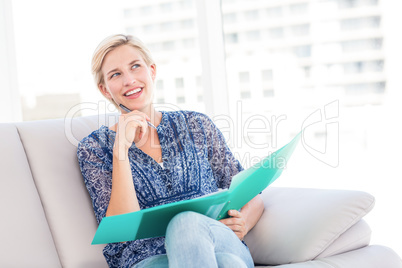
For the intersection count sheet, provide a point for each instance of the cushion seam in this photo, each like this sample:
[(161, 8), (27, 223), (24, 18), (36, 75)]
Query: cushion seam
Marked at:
[(349, 225)]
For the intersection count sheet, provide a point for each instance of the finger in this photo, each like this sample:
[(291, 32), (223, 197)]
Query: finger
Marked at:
[(144, 127), (235, 226), (235, 213), (239, 232), (140, 128), (230, 221), (141, 124), (143, 117), (131, 126)]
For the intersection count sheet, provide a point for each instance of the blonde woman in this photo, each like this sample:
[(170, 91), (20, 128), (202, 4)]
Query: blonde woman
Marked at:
[(132, 166)]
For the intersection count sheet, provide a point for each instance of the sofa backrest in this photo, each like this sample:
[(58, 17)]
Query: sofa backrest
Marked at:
[(49, 220), (24, 234)]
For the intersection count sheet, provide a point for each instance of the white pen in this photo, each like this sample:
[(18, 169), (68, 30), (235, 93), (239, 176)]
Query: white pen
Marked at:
[(128, 111)]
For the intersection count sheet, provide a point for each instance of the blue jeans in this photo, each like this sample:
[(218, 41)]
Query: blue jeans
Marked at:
[(194, 240)]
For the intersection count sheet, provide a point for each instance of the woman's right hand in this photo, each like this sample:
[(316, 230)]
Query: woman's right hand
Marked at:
[(131, 127)]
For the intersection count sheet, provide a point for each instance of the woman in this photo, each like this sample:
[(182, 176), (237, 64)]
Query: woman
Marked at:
[(132, 166)]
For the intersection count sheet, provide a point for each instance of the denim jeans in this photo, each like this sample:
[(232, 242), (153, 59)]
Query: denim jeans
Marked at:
[(194, 240)]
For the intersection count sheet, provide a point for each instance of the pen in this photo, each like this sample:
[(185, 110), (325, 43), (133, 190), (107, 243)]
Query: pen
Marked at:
[(128, 111)]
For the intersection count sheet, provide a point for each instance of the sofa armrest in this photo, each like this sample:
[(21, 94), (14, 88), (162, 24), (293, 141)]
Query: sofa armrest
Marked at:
[(299, 224)]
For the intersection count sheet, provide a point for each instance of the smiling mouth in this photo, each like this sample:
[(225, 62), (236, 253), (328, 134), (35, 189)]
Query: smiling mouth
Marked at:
[(132, 92)]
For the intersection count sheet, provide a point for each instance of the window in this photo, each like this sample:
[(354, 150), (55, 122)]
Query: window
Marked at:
[(149, 28), (146, 10), (268, 92), (244, 80), (155, 47), (253, 35), (231, 38), (179, 82), (166, 7), (300, 30), (356, 3), (168, 26), (187, 24), (360, 23), (186, 4), (267, 79), (159, 91), (244, 77), (251, 15), (365, 88), (302, 51), (363, 67), (132, 30), (188, 43), (200, 91), (130, 12), (245, 93), (180, 99), (361, 45), (276, 32), (306, 70), (274, 12), (298, 9), (230, 18), (159, 85), (266, 75), (168, 45), (354, 67)]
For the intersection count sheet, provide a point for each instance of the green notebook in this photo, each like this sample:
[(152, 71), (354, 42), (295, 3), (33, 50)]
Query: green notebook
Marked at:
[(152, 222)]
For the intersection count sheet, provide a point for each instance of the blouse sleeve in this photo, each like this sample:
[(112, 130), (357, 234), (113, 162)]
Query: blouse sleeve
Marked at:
[(96, 169), (223, 163)]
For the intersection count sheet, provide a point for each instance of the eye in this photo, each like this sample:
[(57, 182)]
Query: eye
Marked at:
[(114, 75), (135, 66)]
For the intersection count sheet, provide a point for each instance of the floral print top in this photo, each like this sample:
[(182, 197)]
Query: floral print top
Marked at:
[(196, 161)]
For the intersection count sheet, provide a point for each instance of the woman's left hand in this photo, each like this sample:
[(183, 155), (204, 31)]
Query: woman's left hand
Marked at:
[(237, 223)]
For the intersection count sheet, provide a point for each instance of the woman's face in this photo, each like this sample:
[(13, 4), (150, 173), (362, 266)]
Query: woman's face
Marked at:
[(128, 80)]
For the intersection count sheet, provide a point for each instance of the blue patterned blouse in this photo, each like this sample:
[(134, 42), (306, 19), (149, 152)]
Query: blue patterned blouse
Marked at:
[(196, 161)]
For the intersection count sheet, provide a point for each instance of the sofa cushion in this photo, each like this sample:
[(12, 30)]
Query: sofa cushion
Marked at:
[(25, 234), (367, 257), (355, 237), (299, 224), (50, 146)]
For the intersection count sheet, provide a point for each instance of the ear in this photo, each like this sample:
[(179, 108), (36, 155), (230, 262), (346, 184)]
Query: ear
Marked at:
[(153, 71), (104, 91)]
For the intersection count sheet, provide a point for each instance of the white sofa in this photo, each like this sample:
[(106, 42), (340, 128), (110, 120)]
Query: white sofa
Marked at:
[(47, 218)]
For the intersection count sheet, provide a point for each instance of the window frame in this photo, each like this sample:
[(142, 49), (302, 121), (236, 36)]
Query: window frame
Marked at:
[(10, 104)]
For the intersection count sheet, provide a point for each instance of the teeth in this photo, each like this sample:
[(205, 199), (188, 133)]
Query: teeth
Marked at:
[(133, 91)]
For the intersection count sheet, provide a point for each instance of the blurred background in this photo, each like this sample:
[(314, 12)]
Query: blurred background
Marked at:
[(262, 69)]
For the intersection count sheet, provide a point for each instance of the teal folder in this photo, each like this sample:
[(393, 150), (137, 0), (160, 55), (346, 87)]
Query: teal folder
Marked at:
[(152, 222)]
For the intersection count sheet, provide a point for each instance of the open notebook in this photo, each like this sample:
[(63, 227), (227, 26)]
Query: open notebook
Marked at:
[(152, 222)]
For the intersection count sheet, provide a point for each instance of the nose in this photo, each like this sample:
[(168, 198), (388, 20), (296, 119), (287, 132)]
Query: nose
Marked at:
[(129, 79)]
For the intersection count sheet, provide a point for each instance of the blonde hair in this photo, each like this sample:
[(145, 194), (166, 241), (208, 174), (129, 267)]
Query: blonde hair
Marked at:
[(110, 43)]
